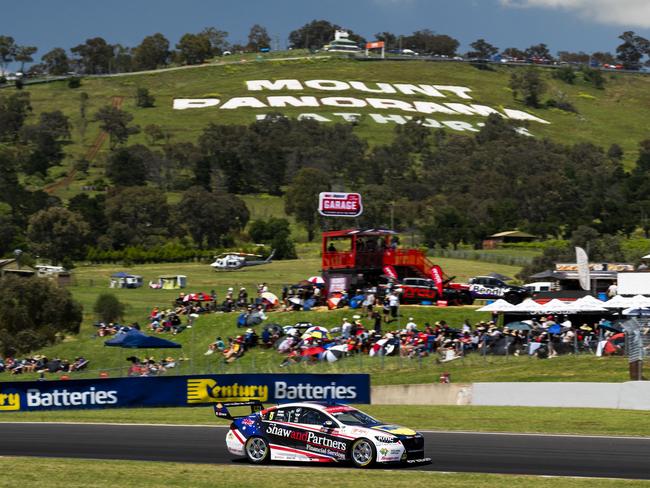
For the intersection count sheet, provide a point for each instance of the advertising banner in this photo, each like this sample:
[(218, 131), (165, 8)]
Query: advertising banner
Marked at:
[(182, 391), (582, 261), (375, 45), (340, 204), (436, 275)]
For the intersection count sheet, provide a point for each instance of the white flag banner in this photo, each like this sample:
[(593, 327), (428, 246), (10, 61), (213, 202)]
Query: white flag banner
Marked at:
[(582, 260)]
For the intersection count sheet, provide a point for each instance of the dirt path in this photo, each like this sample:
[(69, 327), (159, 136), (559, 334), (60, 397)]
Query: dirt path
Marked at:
[(90, 155)]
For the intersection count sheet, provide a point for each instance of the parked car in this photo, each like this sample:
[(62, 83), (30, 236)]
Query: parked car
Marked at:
[(489, 287)]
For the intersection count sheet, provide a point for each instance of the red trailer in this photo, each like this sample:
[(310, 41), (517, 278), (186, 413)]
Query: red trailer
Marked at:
[(355, 258)]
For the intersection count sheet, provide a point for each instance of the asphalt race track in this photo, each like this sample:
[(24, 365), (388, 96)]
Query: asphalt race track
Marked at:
[(614, 457)]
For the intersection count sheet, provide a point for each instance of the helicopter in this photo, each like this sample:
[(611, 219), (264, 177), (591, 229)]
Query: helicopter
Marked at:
[(236, 260)]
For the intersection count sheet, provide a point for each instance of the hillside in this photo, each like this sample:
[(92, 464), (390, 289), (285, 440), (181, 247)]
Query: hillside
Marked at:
[(616, 114)]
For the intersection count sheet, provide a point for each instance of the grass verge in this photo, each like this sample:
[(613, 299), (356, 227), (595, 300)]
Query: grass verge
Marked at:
[(89, 473), (582, 421)]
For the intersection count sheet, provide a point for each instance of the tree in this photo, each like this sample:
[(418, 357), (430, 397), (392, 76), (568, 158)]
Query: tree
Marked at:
[(194, 48), (301, 198), (14, 109), (7, 51), (46, 141), (115, 122), (634, 47), (390, 39), (56, 62), (217, 39), (426, 41), (482, 49), (152, 52), (258, 38), (92, 209), (24, 54), (108, 308), (316, 34), (143, 98), (137, 215), (539, 51), (94, 56), (122, 59), (34, 313), (211, 215), (603, 58), (529, 84), (58, 234), (574, 58), (125, 167), (513, 53)]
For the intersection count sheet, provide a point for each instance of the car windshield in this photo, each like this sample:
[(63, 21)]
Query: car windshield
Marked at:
[(354, 417)]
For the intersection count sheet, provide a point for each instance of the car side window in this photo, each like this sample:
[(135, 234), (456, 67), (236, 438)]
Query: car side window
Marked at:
[(285, 415), (313, 417)]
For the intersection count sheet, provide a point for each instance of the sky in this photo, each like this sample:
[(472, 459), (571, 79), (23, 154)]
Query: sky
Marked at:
[(571, 25)]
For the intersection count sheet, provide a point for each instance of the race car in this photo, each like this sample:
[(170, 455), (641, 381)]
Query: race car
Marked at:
[(318, 432)]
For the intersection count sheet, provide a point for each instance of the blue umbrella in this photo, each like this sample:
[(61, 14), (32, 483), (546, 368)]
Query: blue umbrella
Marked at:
[(137, 340), (555, 329)]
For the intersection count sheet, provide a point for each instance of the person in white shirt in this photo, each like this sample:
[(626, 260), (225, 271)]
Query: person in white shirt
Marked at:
[(346, 328), (411, 326)]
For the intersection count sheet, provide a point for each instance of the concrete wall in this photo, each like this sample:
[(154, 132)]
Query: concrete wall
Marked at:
[(633, 395), (427, 394)]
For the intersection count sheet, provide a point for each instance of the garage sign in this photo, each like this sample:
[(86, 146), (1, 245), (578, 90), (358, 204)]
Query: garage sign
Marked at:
[(340, 204)]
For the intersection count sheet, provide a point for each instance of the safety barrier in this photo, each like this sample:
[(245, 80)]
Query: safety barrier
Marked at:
[(632, 395), (182, 391)]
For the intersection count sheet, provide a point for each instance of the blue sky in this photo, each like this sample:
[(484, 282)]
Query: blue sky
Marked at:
[(575, 25)]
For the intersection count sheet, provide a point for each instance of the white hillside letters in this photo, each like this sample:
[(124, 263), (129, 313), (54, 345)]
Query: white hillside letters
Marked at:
[(427, 99)]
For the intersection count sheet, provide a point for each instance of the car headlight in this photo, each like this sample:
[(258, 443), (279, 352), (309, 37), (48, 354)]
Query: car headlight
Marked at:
[(386, 440)]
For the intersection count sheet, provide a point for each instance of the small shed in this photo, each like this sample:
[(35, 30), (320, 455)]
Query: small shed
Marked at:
[(125, 280), (172, 282), (507, 237), (12, 266)]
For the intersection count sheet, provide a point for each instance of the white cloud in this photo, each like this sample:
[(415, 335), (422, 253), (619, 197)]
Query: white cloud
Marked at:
[(628, 13)]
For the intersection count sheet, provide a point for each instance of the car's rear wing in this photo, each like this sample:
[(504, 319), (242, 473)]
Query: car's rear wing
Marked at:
[(221, 408)]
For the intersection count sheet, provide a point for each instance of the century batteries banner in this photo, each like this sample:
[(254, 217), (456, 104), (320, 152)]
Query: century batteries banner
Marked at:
[(183, 391)]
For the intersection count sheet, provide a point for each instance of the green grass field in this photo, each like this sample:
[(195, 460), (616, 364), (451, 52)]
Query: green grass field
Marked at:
[(69, 473), (90, 281), (614, 115)]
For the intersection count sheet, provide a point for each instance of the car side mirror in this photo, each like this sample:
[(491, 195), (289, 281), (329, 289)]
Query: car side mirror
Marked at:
[(329, 424)]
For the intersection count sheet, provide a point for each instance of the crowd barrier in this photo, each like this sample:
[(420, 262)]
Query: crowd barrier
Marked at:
[(632, 395), (182, 391)]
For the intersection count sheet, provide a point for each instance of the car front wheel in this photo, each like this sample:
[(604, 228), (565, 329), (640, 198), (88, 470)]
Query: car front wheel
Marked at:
[(257, 450), (363, 453)]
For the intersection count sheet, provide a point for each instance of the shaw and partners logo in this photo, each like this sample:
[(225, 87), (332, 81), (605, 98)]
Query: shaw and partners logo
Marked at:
[(206, 390), (9, 401)]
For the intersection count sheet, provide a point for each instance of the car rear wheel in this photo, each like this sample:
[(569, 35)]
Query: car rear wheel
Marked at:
[(257, 450), (363, 453)]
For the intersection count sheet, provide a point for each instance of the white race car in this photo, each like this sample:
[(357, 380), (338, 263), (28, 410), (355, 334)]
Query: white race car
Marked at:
[(319, 432)]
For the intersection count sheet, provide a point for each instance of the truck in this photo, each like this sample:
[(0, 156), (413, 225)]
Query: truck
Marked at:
[(361, 258)]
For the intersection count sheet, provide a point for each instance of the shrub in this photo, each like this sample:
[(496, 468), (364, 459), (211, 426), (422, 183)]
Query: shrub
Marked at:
[(144, 99), (74, 82), (108, 308), (565, 74), (35, 312)]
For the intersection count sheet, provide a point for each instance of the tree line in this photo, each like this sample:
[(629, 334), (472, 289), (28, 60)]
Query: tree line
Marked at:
[(98, 56)]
